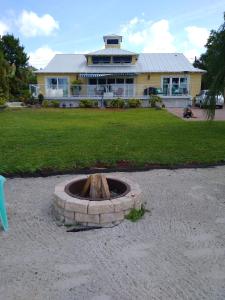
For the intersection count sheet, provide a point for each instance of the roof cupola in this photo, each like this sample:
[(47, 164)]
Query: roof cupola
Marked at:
[(112, 41)]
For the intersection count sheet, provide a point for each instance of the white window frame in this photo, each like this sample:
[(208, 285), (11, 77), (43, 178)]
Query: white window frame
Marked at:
[(57, 77), (176, 76)]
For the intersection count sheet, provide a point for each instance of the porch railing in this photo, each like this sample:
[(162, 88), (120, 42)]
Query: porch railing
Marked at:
[(105, 91)]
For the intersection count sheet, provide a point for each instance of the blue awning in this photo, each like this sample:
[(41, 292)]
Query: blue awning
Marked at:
[(97, 75), (89, 75)]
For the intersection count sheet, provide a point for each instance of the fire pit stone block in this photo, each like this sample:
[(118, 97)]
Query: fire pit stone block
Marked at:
[(123, 203), (100, 207), (76, 205), (111, 217), (85, 218), (137, 203)]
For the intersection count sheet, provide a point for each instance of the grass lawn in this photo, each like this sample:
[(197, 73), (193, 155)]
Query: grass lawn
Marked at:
[(57, 139)]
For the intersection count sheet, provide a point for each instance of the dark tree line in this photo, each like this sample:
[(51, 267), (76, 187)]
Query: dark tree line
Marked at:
[(213, 61)]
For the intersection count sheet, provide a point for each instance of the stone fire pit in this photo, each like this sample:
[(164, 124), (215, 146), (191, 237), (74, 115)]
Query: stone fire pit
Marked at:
[(71, 207)]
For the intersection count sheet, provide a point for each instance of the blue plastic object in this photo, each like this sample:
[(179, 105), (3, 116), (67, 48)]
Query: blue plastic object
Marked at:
[(3, 213)]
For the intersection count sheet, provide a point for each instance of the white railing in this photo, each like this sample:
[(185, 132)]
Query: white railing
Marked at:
[(105, 91)]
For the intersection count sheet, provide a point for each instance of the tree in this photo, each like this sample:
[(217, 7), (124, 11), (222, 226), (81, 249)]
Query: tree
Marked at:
[(206, 77), (4, 76), (214, 62), (17, 59), (13, 52)]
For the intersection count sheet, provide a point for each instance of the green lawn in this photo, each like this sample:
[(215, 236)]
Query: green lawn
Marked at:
[(63, 140)]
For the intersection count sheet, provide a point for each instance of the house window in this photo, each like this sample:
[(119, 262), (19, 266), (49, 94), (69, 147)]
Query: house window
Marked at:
[(175, 86), (57, 83), (111, 80), (184, 85), (166, 86), (101, 59), (112, 42), (129, 81), (126, 59), (92, 81), (101, 81), (120, 80), (52, 82)]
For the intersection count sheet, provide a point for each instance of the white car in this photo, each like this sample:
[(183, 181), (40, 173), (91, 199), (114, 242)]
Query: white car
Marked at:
[(201, 98)]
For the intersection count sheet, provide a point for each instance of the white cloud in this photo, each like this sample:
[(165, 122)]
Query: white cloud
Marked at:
[(150, 36), (160, 39), (197, 36), (41, 56), (195, 42), (191, 54), (3, 28), (133, 31), (30, 24)]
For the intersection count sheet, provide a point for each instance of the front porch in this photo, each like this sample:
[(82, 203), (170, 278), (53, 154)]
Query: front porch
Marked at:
[(106, 91), (174, 90)]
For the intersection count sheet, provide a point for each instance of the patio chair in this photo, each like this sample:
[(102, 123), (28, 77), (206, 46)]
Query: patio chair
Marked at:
[(119, 92), (3, 213), (99, 91)]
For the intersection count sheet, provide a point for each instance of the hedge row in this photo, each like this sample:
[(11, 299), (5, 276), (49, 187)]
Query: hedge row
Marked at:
[(120, 103), (114, 103)]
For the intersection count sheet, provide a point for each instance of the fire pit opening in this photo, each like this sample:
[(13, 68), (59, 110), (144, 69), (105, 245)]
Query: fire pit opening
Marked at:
[(115, 187)]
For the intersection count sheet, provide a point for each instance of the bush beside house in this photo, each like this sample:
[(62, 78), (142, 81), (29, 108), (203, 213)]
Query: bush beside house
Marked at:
[(50, 103), (88, 103), (155, 101), (134, 103), (2, 103), (115, 103)]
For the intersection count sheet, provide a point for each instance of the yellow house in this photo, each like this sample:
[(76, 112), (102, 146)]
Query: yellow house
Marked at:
[(116, 73)]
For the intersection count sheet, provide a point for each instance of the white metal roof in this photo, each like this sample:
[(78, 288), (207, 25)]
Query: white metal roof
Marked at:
[(112, 51), (146, 63)]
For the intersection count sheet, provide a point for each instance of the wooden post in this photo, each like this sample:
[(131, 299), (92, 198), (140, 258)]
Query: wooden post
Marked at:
[(105, 188), (95, 188), (98, 187), (86, 187)]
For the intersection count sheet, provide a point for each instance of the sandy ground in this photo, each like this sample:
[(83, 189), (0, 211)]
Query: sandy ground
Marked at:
[(175, 252), (198, 114)]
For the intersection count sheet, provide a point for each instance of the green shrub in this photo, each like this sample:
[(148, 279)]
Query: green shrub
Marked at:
[(88, 103), (154, 100), (76, 82), (132, 103), (40, 98), (55, 103), (3, 96), (135, 214), (2, 101), (26, 97), (116, 103), (46, 103)]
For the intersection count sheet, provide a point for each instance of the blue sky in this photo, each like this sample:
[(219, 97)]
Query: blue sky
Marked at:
[(49, 27)]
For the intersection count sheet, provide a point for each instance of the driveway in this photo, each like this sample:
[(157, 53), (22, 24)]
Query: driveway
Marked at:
[(198, 114), (177, 251)]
